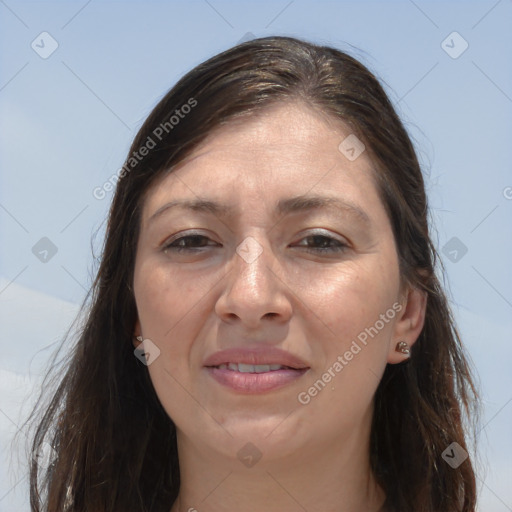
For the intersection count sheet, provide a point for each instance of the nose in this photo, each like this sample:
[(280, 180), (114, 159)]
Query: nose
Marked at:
[(254, 292)]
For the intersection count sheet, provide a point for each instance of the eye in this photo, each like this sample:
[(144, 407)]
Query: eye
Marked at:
[(188, 243), (323, 244)]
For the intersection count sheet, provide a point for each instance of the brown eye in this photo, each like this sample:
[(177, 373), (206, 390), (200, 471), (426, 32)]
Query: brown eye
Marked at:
[(188, 243), (323, 244)]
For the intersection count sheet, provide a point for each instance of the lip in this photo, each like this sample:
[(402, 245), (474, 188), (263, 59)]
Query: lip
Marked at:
[(256, 355), (254, 383)]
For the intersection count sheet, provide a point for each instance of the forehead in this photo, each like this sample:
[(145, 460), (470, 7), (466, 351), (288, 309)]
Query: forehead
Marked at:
[(285, 131), (287, 150)]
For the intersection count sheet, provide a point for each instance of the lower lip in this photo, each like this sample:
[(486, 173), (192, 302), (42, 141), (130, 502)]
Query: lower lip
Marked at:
[(253, 383)]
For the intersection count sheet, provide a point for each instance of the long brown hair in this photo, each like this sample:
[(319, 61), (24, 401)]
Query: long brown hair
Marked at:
[(115, 446)]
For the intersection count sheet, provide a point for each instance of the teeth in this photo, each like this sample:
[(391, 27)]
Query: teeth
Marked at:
[(250, 368)]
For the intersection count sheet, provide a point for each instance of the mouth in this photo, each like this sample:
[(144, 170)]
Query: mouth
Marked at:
[(255, 370)]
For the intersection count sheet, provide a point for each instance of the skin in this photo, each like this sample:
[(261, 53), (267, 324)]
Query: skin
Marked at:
[(314, 456)]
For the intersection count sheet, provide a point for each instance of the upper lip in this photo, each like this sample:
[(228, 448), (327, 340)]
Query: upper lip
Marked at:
[(256, 355)]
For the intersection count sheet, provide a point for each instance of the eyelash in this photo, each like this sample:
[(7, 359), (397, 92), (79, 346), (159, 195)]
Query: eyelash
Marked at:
[(340, 247), (176, 248)]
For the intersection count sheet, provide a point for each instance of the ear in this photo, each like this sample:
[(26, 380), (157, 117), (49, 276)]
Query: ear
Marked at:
[(409, 323), (136, 333)]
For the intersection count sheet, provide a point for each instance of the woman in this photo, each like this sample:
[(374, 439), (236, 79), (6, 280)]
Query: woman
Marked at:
[(266, 330)]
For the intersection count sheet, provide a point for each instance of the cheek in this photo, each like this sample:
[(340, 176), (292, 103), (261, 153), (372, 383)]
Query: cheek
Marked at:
[(161, 309), (350, 306), (355, 307), (347, 300), (165, 307), (172, 307), (163, 299)]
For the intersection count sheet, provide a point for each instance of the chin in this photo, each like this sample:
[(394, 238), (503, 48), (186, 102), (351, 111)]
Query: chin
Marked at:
[(278, 435)]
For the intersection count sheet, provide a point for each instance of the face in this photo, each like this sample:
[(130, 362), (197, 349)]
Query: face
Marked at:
[(267, 277)]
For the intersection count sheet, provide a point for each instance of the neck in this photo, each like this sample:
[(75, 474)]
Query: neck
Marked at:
[(320, 476)]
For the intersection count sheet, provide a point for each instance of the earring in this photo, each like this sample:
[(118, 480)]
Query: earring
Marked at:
[(139, 338), (403, 348)]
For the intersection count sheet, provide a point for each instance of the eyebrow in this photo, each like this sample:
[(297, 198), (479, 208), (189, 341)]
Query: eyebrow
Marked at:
[(283, 207)]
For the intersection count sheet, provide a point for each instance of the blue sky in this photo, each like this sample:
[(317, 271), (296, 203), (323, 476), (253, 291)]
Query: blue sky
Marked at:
[(68, 119)]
